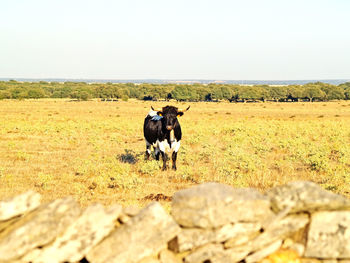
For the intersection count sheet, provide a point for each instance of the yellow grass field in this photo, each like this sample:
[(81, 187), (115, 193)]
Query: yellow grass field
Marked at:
[(94, 150)]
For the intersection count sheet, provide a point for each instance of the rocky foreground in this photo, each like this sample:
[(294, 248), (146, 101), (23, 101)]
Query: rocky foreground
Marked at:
[(209, 223)]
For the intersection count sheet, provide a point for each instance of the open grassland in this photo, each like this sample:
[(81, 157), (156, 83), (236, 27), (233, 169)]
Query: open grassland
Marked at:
[(95, 150)]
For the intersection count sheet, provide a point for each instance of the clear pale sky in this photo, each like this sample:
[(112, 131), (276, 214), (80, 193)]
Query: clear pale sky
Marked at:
[(182, 39)]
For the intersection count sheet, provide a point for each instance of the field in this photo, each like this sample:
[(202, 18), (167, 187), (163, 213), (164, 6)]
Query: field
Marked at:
[(94, 150)]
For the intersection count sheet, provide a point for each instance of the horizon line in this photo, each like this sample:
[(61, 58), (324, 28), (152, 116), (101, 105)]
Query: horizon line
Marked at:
[(175, 79)]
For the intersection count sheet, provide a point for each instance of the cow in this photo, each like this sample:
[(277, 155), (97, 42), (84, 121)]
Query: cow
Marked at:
[(162, 130)]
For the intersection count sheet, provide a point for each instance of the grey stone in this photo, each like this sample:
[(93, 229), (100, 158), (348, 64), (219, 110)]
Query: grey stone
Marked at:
[(123, 218), (144, 235), (215, 253), (212, 252), (236, 254), (245, 233), (212, 205), (90, 228), (305, 197), (294, 246), (131, 210), (278, 231), (264, 252), (298, 248), (310, 260), (329, 235), (166, 256), (18, 205), (8, 223), (37, 228), (194, 237), (149, 260)]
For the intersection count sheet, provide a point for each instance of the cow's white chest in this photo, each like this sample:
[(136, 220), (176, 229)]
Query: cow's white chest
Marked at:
[(164, 146)]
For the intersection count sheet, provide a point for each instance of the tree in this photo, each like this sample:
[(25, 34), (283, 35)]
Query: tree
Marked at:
[(5, 94), (217, 93), (226, 92), (311, 92), (249, 92), (36, 93), (346, 89), (331, 91), (336, 93), (83, 95), (180, 92), (277, 92), (18, 93), (294, 92), (263, 92)]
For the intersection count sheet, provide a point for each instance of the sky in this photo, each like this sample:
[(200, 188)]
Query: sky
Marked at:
[(182, 39)]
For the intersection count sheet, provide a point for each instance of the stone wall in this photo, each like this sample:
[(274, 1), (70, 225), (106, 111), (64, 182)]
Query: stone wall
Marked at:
[(209, 223)]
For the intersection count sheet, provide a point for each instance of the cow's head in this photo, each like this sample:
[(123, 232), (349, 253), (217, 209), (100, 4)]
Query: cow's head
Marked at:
[(170, 114)]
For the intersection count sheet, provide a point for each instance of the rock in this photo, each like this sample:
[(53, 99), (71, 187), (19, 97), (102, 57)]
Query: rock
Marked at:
[(8, 223), (90, 228), (144, 235), (236, 254), (123, 218), (37, 228), (305, 197), (194, 237), (131, 210), (212, 205), (310, 260), (329, 235), (166, 256), (215, 253), (19, 205), (298, 248), (149, 260), (278, 231), (264, 252), (241, 240), (208, 253)]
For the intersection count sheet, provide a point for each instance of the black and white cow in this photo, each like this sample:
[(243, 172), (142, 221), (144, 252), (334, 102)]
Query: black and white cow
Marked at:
[(162, 131)]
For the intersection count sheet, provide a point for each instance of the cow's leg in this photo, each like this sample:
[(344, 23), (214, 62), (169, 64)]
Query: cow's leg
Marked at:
[(157, 153), (176, 146), (164, 157), (148, 150), (174, 156), (162, 150)]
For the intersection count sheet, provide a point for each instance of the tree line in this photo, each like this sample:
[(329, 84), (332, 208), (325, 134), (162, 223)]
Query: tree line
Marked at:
[(316, 91)]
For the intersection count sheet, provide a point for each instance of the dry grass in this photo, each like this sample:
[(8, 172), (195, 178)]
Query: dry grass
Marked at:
[(95, 150)]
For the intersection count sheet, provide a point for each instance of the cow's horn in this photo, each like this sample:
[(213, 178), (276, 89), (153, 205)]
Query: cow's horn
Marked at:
[(155, 109), (181, 110)]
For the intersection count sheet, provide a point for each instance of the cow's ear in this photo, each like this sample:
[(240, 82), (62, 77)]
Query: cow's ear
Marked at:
[(159, 113), (180, 113)]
